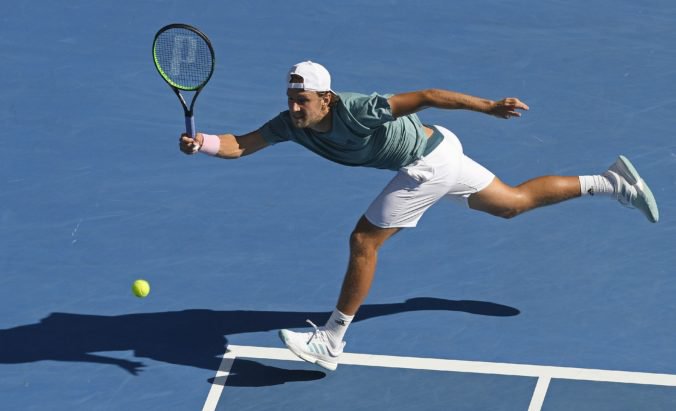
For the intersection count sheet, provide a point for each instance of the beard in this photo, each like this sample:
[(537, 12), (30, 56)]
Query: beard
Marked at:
[(300, 122)]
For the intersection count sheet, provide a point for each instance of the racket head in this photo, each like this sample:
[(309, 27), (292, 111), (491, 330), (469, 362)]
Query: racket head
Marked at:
[(183, 56)]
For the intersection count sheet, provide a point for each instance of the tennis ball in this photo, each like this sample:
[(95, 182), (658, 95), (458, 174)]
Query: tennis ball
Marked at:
[(140, 288)]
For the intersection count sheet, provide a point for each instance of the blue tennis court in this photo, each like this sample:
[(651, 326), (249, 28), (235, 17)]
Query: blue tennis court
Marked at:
[(569, 307)]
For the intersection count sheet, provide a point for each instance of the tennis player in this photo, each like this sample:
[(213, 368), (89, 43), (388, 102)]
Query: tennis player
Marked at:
[(383, 131)]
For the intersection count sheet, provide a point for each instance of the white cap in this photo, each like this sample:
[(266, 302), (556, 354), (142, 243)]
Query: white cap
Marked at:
[(315, 77)]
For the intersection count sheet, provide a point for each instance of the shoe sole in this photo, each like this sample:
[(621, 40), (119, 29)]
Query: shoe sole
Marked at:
[(645, 201), (306, 357)]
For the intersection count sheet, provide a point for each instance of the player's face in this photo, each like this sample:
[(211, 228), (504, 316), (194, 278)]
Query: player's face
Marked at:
[(307, 108)]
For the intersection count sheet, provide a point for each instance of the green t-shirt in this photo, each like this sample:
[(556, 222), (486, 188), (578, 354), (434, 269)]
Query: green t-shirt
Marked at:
[(364, 133)]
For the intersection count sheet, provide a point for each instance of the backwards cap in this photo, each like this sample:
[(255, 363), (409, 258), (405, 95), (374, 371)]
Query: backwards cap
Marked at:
[(315, 77)]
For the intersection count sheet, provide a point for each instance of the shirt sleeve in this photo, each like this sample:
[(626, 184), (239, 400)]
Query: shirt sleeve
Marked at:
[(278, 129), (371, 111)]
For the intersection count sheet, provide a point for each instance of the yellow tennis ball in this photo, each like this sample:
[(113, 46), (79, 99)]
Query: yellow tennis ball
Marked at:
[(140, 288)]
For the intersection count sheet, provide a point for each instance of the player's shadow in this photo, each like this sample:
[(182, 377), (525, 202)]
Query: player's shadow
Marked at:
[(195, 338)]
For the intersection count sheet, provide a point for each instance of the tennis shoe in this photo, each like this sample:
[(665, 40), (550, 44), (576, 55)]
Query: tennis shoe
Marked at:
[(630, 189), (314, 347)]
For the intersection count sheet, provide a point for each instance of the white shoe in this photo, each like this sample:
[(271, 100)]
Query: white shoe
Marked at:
[(630, 189), (313, 347)]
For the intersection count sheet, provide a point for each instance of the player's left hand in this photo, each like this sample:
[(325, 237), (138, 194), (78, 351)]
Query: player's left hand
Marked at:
[(507, 108)]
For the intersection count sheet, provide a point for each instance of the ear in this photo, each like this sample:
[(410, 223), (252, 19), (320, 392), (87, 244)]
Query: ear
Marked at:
[(326, 99)]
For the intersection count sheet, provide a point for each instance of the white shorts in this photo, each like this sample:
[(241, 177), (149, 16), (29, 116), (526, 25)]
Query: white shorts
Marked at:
[(445, 172)]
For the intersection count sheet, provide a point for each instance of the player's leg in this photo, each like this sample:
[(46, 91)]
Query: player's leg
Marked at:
[(402, 202), (621, 181), (506, 201), (325, 344), (365, 241)]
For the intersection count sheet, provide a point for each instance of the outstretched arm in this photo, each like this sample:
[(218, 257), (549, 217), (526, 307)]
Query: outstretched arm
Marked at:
[(231, 146), (412, 102)]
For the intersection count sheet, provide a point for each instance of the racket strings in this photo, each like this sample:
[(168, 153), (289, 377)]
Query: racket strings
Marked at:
[(184, 58)]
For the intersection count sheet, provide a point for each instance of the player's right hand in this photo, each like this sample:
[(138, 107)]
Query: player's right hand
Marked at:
[(190, 145)]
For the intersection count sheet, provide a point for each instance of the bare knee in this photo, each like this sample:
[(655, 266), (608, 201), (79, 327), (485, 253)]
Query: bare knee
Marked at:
[(510, 203), (367, 238), (362, 243)]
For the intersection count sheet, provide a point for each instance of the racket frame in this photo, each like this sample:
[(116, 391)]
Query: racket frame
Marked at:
[(177, 88)]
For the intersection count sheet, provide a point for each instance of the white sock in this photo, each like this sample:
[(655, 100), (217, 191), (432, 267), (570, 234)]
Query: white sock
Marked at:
[(336, 326), (593, 185)]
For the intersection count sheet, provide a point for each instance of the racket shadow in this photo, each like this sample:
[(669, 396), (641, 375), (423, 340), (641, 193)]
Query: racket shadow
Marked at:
[(195, 338)]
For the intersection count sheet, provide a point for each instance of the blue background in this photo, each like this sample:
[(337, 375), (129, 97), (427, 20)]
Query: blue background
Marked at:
[(94, 194)]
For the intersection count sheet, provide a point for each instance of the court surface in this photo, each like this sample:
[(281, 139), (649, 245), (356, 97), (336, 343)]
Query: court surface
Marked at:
[(570, 307)]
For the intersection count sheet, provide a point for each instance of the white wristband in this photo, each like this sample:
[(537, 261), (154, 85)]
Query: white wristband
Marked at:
[(210, 144)]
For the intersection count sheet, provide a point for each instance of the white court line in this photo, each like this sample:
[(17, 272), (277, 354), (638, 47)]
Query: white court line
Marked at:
[(539, 394), (219, 382), (542, 372)]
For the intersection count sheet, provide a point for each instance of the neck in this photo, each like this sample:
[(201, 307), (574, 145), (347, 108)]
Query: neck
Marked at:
[(325, 124)]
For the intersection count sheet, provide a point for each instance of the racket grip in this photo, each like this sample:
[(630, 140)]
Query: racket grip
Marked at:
[(190, 126)]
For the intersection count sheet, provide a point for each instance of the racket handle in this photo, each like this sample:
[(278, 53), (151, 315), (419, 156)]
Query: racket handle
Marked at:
[(190, 126)]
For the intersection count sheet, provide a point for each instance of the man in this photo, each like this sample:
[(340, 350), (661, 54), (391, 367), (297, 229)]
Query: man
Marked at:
[(384, 132)]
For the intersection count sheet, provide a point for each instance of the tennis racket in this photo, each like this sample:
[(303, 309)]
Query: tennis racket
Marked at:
[(185, 59)]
